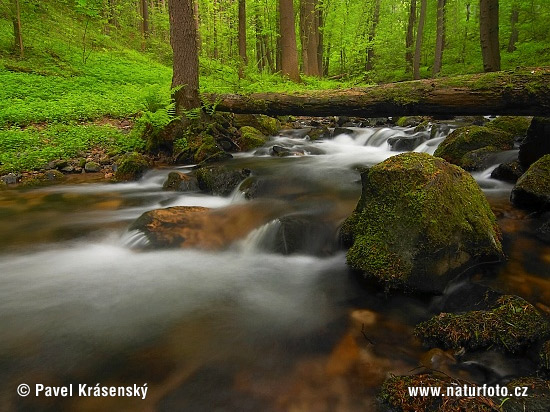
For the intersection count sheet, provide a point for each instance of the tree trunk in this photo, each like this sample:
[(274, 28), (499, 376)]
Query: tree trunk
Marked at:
[(183, 38), (514, 35), (17, 31), (372, 33), (524, 92), (440, 36), (242, 37), (145, 18), (289, 51), (409, 40), (320, 46), (309, 35), (488, 31), (419, 36)]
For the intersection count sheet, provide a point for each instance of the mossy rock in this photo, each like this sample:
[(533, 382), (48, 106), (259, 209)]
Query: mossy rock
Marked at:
[(206, 149), (537, 399), (251, 138), (395, 394), (92, 167), (508, 172), (544, 358), (478, 159), (511, 325), (409, 121), (265, 124), (179, 182), (532, 189), (418, 221), (219, 180), (515, 125), (537, 142), (469, 138), (131, 166)]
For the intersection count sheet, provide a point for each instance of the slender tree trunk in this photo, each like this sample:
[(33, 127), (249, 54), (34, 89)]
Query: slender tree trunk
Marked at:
[(488, 30), (215, 28), (419, 36), (289, 51), (514, 35), (309, 30), (260, 60), (17, 31), (183, 38), (372, 33), (145, 18), (440, 36), (463, 51), (409, 40), (197, 23), (320, 46), (242, 37)]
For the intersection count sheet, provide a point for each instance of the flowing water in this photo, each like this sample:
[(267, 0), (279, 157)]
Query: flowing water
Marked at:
[(249, 328)]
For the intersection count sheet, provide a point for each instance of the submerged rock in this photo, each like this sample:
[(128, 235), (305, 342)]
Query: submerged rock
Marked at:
[(131, 166), (405, 143), (470, 138), (219, 180), (532, 190), (180, 182), (418, 221), (301, 233), (537, 142), (511, 324)]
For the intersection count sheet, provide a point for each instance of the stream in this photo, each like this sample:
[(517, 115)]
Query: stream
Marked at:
[(247, 328)]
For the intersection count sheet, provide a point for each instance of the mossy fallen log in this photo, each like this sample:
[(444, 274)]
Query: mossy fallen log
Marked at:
[(523, 91)]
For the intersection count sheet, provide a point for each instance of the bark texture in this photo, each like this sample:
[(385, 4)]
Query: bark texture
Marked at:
[(242, 36), (488, 33), (409, 40), (183, 38), (309, 34), (525, 92), (440, 36), (419, 38), (289, 51)]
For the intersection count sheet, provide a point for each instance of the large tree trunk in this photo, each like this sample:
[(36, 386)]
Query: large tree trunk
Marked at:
[(242, 37), (514, 34), (183, 38), (17, 31), (409, 40), (488, 31), (309, 35), (289, 51), (440, 36), (419, 38), (525, 92), (372, 33)]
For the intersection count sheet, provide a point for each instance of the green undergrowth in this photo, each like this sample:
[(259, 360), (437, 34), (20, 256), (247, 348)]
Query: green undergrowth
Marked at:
[(33, 147)]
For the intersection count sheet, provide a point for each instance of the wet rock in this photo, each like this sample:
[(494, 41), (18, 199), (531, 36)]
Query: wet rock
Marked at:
[(180, 182), (343, 130), (281, 151), (92, 167), (405, 143), (269, 126), (515, 125), (508, 172), (470, 138), (375, 121), (198, 227), (511, 325), (131, 166), (532, 190), (219, 180), (208, 149), (68, 169), (305, 234), (251, 138), (341, 120), (419, 220), (9, 179), (410, 121), (479, 159), (319, 133), (537, 399), (537, 142), (53, 175)]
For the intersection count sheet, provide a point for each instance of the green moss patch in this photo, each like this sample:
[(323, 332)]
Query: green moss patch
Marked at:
[(131, 167), (511, 325), (532, 189), (251, 138), (515, 125)]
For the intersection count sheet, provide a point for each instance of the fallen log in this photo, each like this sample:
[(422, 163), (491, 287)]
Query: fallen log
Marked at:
[(519, 92)]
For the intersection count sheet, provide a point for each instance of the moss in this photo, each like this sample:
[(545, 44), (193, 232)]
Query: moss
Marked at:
[(533, 187), (512, 324), (395, 393), (265, 124), (206, 149), (516, 125), (477, 159), (466, 139), (219, 180), (131, 166), (251, 138), (419, 218), (544, 357)]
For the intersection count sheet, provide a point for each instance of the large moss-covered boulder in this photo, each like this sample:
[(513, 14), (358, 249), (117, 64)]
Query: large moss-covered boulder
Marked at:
[(467, 139), (515, 125), (532, 189), (419, 220), (265, 124), (251, 138), (537, 142), (511, 324), (131, 166), (219, 180)]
